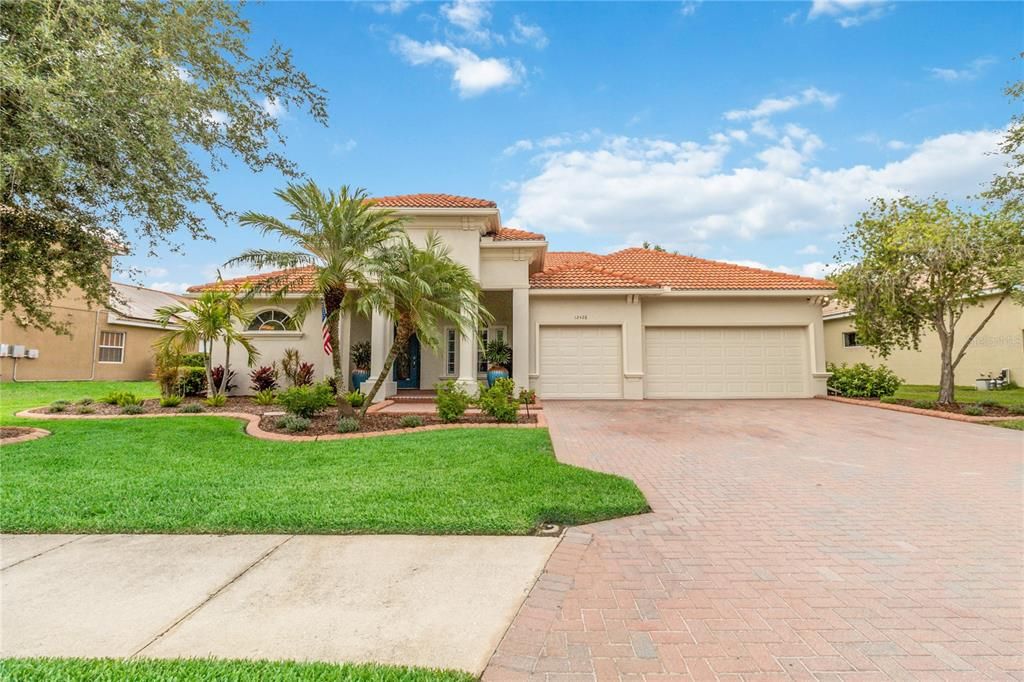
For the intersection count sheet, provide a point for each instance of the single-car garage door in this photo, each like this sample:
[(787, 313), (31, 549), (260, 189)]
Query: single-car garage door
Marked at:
[(725, 362), (580, 362)]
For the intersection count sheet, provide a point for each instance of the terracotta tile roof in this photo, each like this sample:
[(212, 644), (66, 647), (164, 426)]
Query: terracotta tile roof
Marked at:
[(297, 279), (645, 267), (432, 201), (511, 234), (561, 259)]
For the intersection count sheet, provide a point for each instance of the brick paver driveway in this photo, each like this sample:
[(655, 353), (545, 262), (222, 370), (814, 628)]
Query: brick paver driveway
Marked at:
[(801, 539)]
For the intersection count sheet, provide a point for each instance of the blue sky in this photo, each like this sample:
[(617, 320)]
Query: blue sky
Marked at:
[(749, 132)]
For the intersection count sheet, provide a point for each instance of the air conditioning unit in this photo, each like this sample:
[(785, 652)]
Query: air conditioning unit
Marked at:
[(18, 352), (33, 354)]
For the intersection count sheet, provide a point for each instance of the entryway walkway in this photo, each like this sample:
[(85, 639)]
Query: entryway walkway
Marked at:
[(797, 539), (409, 600)]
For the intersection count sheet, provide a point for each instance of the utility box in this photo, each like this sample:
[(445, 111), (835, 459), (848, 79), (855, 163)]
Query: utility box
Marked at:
[(5, 350), (18, 352), (33, 354)]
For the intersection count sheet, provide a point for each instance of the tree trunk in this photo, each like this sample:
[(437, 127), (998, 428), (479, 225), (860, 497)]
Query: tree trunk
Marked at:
[(402, 335), (946, 384), (210, 390), (333, 299), (223, 388)]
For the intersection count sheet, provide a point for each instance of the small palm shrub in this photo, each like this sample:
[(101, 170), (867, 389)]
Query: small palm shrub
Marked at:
[(267, 397), (58, 406), (293, 423), (304, 374), (219, 400), (170, 401), (974, 410), (306, 401), (924, 404), (360, 354), (85, 401), (191, 408), (348, 425), (863, 380), (122, 398), (497, 401), (132, 409), (355, 399), (451, 401), (264, 378), (411, 421)]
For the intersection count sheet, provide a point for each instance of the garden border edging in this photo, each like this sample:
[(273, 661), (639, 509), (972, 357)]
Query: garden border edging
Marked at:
[(33, 434), (252, 426), (915, 410)]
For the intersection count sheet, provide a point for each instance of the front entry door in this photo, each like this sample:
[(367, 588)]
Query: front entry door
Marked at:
[(407, 365)]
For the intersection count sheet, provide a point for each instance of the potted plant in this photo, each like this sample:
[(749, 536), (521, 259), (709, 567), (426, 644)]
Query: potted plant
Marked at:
[(498, 356), (360, 363)]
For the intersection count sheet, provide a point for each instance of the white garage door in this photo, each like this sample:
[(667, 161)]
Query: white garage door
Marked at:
[(725, 362), (580, 362)]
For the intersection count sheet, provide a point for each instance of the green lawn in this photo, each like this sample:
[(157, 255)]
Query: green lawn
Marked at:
[(196, 670), (1016, 424), (204, 475), (963, 394), (15, 397)]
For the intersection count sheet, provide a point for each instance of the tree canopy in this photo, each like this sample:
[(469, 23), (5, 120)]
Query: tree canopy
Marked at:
[(1008, 188), (114, 113)]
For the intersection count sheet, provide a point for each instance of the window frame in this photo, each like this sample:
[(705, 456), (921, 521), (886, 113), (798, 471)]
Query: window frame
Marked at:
[(285, 326), (850, 340), (100, 347), (451, 352)]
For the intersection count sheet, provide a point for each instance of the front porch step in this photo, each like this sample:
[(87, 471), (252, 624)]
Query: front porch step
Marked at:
[(414, 396)]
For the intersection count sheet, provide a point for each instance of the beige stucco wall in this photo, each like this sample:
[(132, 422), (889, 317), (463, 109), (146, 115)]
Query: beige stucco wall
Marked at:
[(633, 313), (1000, 344)]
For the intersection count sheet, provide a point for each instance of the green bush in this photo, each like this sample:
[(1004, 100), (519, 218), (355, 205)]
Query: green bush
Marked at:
[(170, 401), (193, 360), (986, 403), (219, 400), (348, 425), (267, 397), (974, 410), (497, 401), (191, 380), (122, 399), (191, 408), (451, 401), (862, 380), (924, 404), (293, 423), (411, 421), (1015, 409), (890, 400), (58, 406), (132, 408), (306, 401), (86, 409), (356, 399), (85, 401)]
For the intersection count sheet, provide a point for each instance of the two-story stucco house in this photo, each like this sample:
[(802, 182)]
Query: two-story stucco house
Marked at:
[(633, 324)]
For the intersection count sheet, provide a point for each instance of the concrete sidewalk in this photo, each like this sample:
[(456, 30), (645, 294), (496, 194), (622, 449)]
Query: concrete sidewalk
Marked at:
[(410, 600)]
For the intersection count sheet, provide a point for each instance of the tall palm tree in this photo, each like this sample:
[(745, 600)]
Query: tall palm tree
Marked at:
[(213, 316), (342, 235), (423, 289)]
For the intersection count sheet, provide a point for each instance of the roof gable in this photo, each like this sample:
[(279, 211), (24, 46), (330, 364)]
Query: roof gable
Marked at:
[(432, 201)]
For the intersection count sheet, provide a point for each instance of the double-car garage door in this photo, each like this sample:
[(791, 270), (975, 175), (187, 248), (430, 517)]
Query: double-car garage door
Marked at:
[(679, 362)]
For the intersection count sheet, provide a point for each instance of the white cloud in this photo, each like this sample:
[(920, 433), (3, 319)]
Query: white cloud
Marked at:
[(550, 142), (689, 8), (273, 107), (974, 69), (393, 7), (685, 192), (339, 148), (217, 117), (850, 13), (775, 105), (876, 140), (172, 287), (469, 16), (528, 34), (471, 74), (896, 145), (809, 250), (815, 269), (153, 271)]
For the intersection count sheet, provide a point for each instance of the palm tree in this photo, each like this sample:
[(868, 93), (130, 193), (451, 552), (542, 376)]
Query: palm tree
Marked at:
[(422, 289), (213, 316), (343, 235)]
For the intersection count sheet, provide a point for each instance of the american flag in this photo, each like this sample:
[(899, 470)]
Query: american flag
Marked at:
[(326, 328)]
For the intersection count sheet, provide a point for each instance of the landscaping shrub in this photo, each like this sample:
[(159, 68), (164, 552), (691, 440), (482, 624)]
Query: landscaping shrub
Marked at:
[(86, 409), (451, 401), (862, 380), (191, 408), (170, 401), (58, 406), (293, 423), (356, 399), (122, 399), (267, 397), (193, 360), (528, 396), (191, 380), (290, 364), (411, 421), (1015, 409), (304, 375), (85, 401), (986, 403), (306, 401), (218, 379), (264, 378), (497, 401), (924, 404), (166, 362), (348, 425), (219, 400), (974, 410), (132, 409)]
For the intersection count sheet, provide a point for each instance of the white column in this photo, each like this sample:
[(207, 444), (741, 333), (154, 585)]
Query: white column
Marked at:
[(467, 363), (344, 344), (381, 333), (521, 337)]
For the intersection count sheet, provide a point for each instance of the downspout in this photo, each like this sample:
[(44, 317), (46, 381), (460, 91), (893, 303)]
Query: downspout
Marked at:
[(92, 375)]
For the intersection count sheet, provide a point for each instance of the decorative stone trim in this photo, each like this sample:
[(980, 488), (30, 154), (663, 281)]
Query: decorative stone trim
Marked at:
[(33, 434), (252, 426), (916, 410)]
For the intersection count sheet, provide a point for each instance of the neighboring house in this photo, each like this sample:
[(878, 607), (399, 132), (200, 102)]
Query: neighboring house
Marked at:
[(104, 344), (633, 324), (1000, 345)]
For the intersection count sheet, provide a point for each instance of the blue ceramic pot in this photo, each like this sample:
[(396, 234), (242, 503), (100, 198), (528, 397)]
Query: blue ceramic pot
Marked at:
[(358, 377), (496, 373)]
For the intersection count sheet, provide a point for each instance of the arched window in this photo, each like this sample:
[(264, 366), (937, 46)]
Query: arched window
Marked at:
[(270, 321)]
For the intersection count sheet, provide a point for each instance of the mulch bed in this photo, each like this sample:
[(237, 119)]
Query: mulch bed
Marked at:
[(375, 422), (13, 431), (152, 406), (955, 408)]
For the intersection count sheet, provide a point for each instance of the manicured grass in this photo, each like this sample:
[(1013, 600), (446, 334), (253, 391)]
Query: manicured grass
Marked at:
[(196, 670), (15, 397), (1017, 424), (204, 475), (963, 394)]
